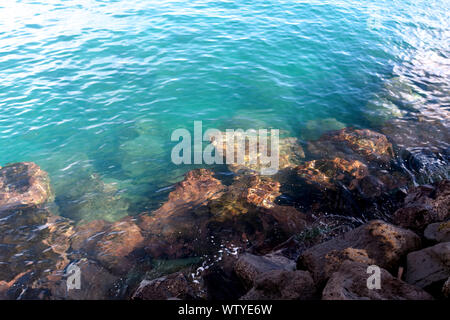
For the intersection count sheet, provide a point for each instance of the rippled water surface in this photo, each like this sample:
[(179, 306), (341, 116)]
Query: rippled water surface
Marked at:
[(92, 90)]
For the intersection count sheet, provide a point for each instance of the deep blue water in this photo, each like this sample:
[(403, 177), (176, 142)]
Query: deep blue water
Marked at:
[(92, 90)]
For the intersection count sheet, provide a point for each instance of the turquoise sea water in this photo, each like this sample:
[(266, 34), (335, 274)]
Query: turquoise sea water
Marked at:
[(92, 90)]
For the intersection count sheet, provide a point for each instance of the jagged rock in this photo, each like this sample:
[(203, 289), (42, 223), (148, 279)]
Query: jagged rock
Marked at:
[(376, 242), (327, 173), (429, 266), (350, 283), (424, 205), (109, 243), (353, 144), (96, 283), (32, 240), (290, 152), (179, 226), (282, 285), (249, 267), (438, 232), (168, 287), (23, 184)]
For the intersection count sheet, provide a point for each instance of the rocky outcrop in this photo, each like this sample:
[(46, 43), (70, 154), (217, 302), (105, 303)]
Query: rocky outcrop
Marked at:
[(248, 267), (111, 244), (290, 152), (353, 144), (429, 266), (178, 228), (438, 232), (376, 242), (282, 285), (23, 184), (349, 282), (424, 205), (173, 286)]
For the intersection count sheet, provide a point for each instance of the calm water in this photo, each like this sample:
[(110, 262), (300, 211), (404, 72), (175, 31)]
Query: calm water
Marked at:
[(91, 90)]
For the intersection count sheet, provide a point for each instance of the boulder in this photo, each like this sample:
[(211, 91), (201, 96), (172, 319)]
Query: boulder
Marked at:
[(173, 286), (376, 242), (248, 267), (429, 266), (354, 144), (178, 228), (111, 244), (349, 282), (438, 232), (23, 184), (424, 205), (282, 285)]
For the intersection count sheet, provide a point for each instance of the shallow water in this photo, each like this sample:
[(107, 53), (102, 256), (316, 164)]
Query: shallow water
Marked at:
[(92, 90)]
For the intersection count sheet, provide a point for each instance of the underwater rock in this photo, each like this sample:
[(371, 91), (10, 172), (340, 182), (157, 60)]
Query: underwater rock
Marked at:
[(172, 286), (438, 232), (424, 205), (376, 242), (282, 285), (429, 266), (247, 212), (96, 283), (111, 244), (23, 184), (350, 283), (315, 128), (175, 229), (353, 144), (32, 240), (290, 153), (326, 174), (85, 196)]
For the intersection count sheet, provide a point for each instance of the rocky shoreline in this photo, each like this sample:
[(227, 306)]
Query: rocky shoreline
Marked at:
[(309, 232)]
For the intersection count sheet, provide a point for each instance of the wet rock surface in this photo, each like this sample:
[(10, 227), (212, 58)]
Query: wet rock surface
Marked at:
[(350, 283), (23, 184), (376, 242), (438, 232), (173, 286), (282, 285)]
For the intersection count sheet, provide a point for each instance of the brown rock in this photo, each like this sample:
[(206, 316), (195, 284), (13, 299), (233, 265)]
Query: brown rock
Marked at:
[(350, 283), (446, 289), (169, 287), (249, 267), (424, 205), (23, 184), (376, 242), (429, 266), (109, 243), (178, 228), (282, 285), (438, 232), (354, 144)]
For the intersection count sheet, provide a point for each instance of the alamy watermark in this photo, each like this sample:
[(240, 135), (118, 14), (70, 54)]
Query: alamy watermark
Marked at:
[(374, 280), (73, 274), (259, 148)]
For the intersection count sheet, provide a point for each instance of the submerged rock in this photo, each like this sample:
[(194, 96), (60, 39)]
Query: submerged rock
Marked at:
[(429, 266), (111, 244), (23, 184), (290, 153), (178, 228), (353, 144), (376, 242), (349, 282), (282, 285), (172, 286)]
